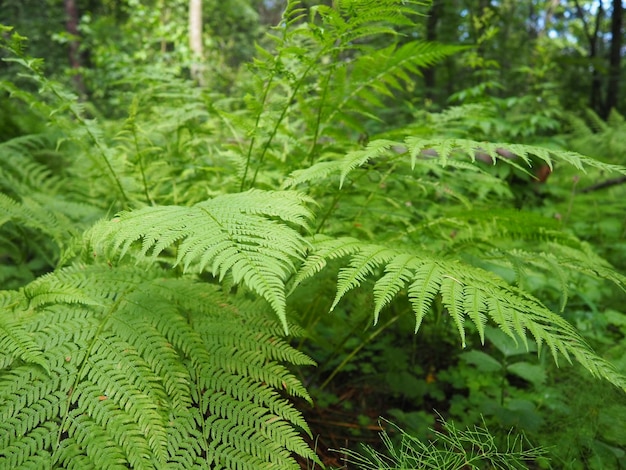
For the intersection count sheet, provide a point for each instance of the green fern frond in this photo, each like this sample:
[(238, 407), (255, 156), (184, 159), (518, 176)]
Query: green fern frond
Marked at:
[(425, 284), (350, 20), (142, 375), (242, 234), (380, 74), (448, 148), (14, 342), (20, 173), (318, 172), (398, 271), (358, 158), (30, 214), (442, 152), (362, 264), (467, 292)]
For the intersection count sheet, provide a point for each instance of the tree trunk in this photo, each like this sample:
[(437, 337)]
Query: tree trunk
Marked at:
[(71, 26), (431, 36), (595, 98), (195, 41), (615, 58)]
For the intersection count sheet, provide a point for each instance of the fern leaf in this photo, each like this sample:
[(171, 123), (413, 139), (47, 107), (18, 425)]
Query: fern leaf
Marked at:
[(323, 250), (130, 370), (380, 71), (397, 273), (475, 307), (453, 299), (472, 292), (234, 234), (14, 340), (448, 147), (359, 157), (361, 265), (424, 287)]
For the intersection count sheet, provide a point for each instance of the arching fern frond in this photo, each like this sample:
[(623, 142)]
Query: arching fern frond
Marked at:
[(20, 173), (415, 150), (467, 293), (448, 148), (245, 235), (360, 87), (154, 372)]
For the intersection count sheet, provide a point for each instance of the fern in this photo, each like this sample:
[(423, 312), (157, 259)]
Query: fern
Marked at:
[(135, 368), (467, 293), (443, 152), (228, 234), (154, 347), (324, 71)]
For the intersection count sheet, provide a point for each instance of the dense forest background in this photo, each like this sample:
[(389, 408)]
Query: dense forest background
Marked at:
[(566, 51), (446, 178)]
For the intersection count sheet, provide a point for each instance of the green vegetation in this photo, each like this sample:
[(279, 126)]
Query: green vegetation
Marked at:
[(259, 262)]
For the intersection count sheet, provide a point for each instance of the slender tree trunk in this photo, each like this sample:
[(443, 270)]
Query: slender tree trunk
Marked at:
[(431, 35), (615, 58), (71, 26), (195, 41), (549, 14), (595, 97)]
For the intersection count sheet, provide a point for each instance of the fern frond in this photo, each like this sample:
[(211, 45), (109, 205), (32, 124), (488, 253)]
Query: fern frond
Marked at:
[(242, 234), (379, 74), (20, 173), (467, 292), (362, 264), (397, 273), (425, 284), (440, 152), (448, 148), (144, 376), (16, 343)]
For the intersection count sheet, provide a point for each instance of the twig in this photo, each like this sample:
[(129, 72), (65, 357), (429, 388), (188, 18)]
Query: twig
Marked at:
[(604, 184)]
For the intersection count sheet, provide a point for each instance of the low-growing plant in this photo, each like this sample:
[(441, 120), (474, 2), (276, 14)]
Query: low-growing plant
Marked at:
[(158, 262), (449, 448)]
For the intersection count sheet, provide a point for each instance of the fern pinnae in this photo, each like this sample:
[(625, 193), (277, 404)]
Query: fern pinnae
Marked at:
[(424, 286), (474, 305), (362, 264), (393, 61), (320, 171), (153, 341), (358, 158), (14, 341), (453, 299), (323, 249), (397, 273), (557, 271), (221, 233)]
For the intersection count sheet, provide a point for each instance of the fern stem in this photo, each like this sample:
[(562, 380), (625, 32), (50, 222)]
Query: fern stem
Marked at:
[(371, 195), (356, 350), (338, 195), (95, 140), (330, 210), (283, 113), (318, 121), (266, 93), (256, 126), (141, 165)]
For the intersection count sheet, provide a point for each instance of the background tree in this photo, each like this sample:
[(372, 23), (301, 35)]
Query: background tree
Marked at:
[(195, 40)]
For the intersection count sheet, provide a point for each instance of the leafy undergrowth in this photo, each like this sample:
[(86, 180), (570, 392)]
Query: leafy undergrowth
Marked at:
[(155, 263)]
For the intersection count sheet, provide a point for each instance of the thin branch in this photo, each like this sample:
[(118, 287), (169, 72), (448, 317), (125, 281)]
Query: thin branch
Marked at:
[(604, 184)]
